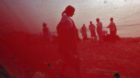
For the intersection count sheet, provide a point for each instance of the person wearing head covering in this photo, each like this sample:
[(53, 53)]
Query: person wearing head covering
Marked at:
[(67, 38)]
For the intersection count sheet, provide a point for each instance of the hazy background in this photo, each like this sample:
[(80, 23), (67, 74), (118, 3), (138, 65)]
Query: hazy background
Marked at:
[(28, 15)]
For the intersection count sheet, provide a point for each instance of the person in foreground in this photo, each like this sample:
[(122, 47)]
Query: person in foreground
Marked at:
[(67, 40)]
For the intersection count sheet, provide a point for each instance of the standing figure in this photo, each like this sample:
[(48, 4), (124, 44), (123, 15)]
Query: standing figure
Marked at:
[(92, 30), (113, 31), (84, 32), (112, 27), (67, 39), (45, 32), (99, 29)]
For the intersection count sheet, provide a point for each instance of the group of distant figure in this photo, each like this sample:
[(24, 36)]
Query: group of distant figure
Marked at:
[(97, 32), (67, 35)]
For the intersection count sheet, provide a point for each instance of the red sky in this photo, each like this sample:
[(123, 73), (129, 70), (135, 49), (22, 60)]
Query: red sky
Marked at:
[(29, 14)]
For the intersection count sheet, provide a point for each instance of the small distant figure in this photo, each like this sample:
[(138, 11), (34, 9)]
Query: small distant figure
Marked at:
[(46, 33), (112, 31), (112, 27), (99, 29), (92, 30), (116, 75), (84, 32)]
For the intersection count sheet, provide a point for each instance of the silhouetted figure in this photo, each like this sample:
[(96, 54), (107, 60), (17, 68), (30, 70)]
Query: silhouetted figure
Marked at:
[(112, 27), (46, 34), (116, 75), (99, 29), (113, 31), (84, 32), (92, 30), (68, 37), (3, 72)]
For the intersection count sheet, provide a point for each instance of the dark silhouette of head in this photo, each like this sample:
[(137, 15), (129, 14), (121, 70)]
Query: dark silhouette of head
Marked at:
[(90, 22), (44, 24), (69, 10), (83, 24), (97, 19), (111, 19)]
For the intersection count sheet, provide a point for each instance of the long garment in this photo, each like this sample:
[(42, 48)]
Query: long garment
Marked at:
[(67, 38)]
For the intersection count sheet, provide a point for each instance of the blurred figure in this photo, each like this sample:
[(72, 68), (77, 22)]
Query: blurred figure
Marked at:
[(112, 27), (99, 29), (112, 31), (46, 33), (92, 30), (84, 32), (68, 38)]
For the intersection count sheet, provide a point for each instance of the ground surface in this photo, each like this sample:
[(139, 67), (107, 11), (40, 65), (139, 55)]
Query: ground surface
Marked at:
[(23, 55)]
